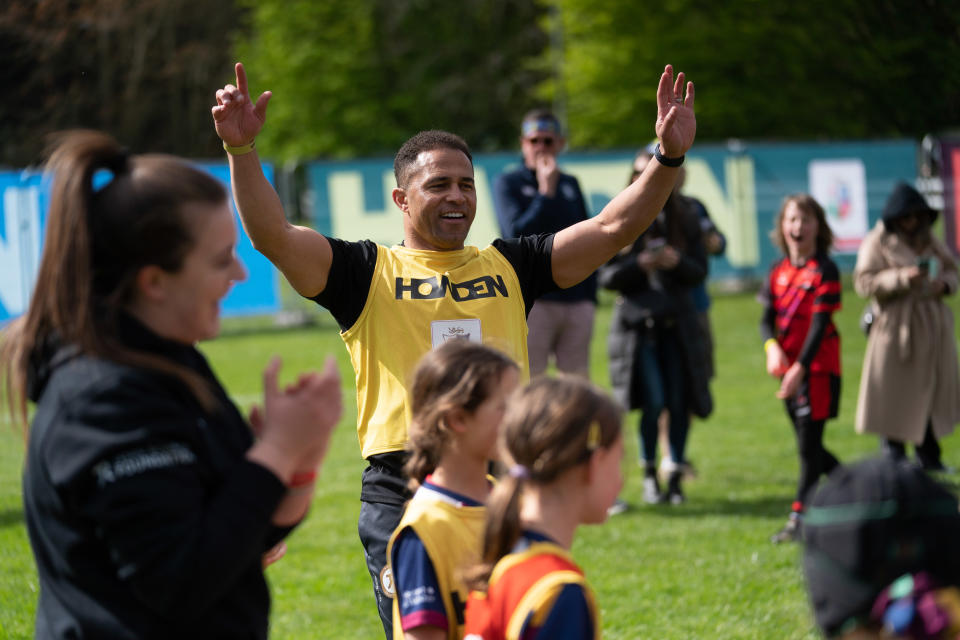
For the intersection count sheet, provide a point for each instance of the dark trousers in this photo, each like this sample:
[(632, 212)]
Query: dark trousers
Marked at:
[(662, 381), (928, 452), (815, 459), (383, 495)]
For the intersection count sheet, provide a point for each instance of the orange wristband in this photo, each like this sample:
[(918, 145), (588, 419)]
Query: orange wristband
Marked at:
[(302, 479)]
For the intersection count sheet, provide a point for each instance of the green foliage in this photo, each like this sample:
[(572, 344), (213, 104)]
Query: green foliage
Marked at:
[(824, 68), (143, 71), (359, 78), (701, 570), (314, 57)]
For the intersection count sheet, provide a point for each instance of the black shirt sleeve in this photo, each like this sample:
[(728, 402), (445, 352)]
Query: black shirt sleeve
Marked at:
[(811, 344), (708, 227), (351, 271), (768, 319), (827, 300), (530, 257), (691, 270)]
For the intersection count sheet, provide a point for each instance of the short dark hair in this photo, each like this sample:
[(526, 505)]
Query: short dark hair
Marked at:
[(425, 141)]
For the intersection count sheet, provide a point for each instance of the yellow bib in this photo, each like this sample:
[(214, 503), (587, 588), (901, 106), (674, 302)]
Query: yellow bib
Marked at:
[(417, 301), (452, 535)]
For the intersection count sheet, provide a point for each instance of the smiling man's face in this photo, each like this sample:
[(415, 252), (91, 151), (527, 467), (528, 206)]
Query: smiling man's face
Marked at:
[(439, 201)]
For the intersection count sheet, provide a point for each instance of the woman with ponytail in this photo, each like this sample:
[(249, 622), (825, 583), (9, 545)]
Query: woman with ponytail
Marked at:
[(562, 444), (149, 504), (459, 396)]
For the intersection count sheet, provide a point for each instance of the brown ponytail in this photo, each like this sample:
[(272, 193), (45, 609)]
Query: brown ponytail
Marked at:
[(97, 239), (457, 375), (551, 426)]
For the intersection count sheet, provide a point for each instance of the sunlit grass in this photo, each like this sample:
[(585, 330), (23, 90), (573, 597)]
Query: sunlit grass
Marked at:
[(701, 570)]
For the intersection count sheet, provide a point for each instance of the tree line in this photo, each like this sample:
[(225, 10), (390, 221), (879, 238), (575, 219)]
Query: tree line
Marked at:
[(353, 79)]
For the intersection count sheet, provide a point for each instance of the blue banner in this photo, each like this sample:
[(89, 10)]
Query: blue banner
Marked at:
[(741, 185), (23, 211)]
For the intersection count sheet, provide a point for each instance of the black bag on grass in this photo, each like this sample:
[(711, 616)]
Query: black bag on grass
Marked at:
[(869, 524)]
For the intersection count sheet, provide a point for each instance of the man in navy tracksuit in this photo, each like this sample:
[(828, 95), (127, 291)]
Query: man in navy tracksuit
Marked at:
[(538, 198)]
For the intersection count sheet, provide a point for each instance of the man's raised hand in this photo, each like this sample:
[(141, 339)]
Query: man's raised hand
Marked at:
[(676, 124), (236, 118)]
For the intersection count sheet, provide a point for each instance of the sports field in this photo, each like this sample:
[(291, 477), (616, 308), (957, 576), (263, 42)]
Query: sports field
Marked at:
[(701, 570)]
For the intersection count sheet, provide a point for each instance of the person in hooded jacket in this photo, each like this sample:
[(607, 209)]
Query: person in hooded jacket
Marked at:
[(150, 507), (910, 387)]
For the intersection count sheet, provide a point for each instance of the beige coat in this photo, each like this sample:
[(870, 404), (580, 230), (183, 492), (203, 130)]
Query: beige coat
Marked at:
[(910, 368)]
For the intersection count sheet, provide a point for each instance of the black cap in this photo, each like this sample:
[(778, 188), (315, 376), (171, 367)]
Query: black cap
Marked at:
[(902, 202), (869, 524)]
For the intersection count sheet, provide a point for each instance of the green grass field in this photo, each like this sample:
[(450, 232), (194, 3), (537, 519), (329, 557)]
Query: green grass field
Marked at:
[(701, 570)]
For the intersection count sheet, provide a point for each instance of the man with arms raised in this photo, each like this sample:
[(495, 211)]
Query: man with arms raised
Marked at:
[(393, 304)]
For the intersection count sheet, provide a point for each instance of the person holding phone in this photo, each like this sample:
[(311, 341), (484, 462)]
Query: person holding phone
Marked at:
[(910, 387), (655, 343)]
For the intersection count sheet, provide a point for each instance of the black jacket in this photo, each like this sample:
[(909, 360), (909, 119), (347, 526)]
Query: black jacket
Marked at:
[(145, 518), (647, 301)]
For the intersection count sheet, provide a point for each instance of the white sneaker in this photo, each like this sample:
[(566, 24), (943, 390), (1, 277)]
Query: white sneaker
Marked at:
[(668, 466), (619, 506), (651, 490)]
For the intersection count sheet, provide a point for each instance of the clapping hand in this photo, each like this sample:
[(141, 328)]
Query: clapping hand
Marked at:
[(296, 421), (676, 124), (236, 118)]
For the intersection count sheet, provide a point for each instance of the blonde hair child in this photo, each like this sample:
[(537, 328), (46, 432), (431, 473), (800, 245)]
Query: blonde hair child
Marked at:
[(562, 442), (458, 398)]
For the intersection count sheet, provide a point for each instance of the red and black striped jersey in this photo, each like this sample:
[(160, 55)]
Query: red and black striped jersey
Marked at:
[(796, 293)]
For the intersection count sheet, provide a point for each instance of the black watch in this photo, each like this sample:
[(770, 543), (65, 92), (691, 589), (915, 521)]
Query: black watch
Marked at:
[(664, 160)]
